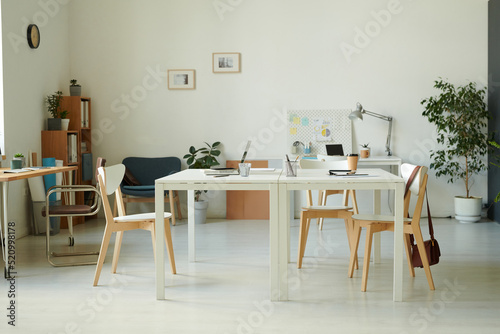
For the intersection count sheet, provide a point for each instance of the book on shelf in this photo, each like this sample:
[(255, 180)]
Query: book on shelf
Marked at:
[(84, 113), (72, 148)]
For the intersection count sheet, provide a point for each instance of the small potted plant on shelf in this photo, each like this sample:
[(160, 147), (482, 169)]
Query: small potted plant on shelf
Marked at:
[(365, 151), (58, 120), (202, 158), (18, 161), (75, 89), (461, 117)]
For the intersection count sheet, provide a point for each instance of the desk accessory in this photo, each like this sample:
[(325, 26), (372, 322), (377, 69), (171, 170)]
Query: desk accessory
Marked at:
[(358, 114)]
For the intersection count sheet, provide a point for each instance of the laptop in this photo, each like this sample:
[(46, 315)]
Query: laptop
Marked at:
[(228, 170), (334, 149)]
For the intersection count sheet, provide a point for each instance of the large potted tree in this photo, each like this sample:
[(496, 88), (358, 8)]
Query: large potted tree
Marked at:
[(461, 117), (202, 158)]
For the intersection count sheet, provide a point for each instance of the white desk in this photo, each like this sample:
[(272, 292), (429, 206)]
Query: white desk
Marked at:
[(315, 180), (393, 162), (195, 179), (279, 187)]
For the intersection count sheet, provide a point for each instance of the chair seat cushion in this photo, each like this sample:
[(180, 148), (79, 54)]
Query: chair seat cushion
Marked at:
[(380, 218), (68, 210), (140, 216), (326, 207), (141, 188)]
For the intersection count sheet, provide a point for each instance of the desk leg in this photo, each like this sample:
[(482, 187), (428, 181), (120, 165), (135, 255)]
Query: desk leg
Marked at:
[(160, 242), (5, 190), (398, 243), (191, 227), (376, 237), (275, 254), (283, 206)]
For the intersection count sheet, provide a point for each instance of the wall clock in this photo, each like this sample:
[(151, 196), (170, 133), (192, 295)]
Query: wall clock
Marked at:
[(33, 35)]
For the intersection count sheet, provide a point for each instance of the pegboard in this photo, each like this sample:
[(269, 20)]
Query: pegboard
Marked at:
[(319, 127)]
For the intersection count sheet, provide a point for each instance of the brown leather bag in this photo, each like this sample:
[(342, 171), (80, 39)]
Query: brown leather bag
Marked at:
[(431, 246)]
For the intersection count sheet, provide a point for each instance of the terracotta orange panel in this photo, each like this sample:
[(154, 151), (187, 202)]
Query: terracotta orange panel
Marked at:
[(247, 204)]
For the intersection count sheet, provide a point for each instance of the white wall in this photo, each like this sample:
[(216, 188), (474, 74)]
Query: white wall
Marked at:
[(30, 75), (291, 58)]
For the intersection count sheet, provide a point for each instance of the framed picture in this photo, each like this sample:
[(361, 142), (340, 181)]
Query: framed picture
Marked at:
[(226, 62), (181, 79)]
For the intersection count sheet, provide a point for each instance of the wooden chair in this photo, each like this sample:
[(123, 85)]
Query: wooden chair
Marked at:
[(323, 195), (378, 223), (109, 180), (322, 211)]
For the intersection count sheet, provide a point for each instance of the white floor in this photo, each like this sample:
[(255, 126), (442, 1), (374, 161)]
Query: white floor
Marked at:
[(227, 290)]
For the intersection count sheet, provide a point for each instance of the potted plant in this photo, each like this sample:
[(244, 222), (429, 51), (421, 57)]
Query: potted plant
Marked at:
[(460, 116), (365, 151), (75, 89), (18, 161), (202, 158), (58, 120)]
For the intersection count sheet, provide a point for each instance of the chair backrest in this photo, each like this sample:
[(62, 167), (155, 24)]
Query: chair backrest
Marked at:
[(147, 170), (109, 179), (101, 162), (322, 157), (406, 171), (417, 187), (316, 164)]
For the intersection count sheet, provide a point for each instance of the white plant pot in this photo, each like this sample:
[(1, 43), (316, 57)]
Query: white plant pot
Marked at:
[(65, 124), (200, 212), (468, 210)]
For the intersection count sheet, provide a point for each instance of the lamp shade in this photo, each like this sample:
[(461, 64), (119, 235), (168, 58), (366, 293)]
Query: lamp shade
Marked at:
[(356, 114)]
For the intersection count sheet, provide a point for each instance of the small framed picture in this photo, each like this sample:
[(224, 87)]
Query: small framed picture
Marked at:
[(181, 79), (226, 62)]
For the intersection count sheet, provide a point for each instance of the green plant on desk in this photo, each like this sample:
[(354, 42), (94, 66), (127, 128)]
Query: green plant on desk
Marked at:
[(203, 158)]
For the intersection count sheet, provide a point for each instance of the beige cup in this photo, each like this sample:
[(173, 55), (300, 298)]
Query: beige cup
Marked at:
[(352, 162)]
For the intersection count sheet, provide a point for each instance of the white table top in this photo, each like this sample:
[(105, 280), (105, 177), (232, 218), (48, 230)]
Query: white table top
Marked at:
[(197, 176)]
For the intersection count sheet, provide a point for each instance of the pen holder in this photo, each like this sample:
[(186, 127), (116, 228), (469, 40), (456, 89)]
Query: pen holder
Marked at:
[(245, 169), (291, 168)]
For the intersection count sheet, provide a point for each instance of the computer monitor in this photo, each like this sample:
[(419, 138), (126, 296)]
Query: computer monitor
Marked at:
[(334, 149)]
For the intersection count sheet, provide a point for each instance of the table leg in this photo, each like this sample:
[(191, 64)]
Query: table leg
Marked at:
[(191, 227), (376, 236), (398, 243), (276, 256), (5, 190), (283, 198), (160, 242)]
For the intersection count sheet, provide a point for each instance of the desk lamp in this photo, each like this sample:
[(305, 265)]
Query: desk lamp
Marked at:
[(358, 114)]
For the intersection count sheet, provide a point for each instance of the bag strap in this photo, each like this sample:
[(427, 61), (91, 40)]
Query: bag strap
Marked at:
[(429, 218)]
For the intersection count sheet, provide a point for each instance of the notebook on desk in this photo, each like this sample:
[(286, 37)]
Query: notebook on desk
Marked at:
[(228, 170)]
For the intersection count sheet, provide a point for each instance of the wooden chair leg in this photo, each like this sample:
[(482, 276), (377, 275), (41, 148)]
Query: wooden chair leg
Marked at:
[(408, 255), (349, 230), (355, 234), (366, 260), (305, 235), (321, 197), (116, 253), (423, 255), (178, 203), (171, 201), (102, 254), (170, 248), (302, 229)]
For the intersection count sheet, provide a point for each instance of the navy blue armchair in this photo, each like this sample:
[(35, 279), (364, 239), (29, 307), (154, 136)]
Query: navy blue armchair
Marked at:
[(138, 185)]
